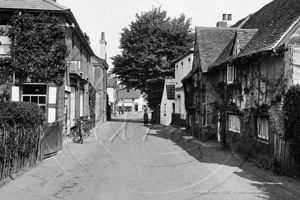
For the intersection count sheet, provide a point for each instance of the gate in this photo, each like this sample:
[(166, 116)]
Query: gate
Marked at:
[(52, 141), (284, 162)]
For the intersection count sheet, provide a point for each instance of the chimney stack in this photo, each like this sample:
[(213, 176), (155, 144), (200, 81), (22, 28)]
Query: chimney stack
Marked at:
[(103, 46), (226, 18)]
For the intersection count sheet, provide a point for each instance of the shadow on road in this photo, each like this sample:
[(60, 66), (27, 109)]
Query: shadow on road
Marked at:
[(266, 183)]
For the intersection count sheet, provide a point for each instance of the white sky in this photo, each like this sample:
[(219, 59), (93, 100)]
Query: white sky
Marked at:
[(110, 16)]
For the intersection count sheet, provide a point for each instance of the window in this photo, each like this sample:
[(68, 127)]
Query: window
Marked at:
[(230, 74), (72, 105), (262, 128), (4, 40), (234, 123), (165, 109), (81, 92), (35, 94)]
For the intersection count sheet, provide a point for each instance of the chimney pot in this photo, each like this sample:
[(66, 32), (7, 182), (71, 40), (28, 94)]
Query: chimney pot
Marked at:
[(224, 17), (229, 17)]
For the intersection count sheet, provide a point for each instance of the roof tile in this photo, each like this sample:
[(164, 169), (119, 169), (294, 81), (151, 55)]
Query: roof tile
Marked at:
[(32, 5), (211, 43), (272, 22), (131, 94)]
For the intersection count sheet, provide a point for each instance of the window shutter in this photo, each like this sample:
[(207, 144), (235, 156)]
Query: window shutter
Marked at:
[(72, 105), (52, 99), (15, 93), (81, 102)]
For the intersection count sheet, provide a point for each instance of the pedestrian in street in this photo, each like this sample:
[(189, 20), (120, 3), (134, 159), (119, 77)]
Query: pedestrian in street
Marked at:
[(145, 116)]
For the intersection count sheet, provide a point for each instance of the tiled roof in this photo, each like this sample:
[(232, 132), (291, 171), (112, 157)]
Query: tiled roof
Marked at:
[(131, 94), (170, 92), (238, 23), (211, 43), (272, 22), (242, 38), (225, 54), (191, 51), (32, 5)]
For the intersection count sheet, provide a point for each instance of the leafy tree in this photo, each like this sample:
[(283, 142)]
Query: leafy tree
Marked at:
[(291, 109), (148, 47), (38, 48)]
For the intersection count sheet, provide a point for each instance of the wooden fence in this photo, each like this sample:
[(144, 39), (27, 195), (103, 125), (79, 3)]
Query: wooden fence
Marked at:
[(12, 148), (284, 162)]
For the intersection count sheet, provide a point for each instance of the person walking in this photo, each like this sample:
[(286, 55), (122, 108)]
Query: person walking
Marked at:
[(146, 119)]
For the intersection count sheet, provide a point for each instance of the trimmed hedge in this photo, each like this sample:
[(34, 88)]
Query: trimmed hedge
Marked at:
[(21, 113)]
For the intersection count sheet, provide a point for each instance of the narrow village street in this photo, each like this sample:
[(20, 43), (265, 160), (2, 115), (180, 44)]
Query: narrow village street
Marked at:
[(123, 159)]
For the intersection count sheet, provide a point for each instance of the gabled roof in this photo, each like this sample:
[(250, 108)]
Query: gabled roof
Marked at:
[(273, 21), (32, 5), (191, 51), (170, 92), (131, 94), (48, 6), (241, 40), (241, 22), (211, 43)]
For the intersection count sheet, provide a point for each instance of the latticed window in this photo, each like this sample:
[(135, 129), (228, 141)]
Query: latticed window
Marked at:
[(262, 128), (234, 123)]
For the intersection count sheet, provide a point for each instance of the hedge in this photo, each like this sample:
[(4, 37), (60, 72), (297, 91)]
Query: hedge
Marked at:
[(21, 113)]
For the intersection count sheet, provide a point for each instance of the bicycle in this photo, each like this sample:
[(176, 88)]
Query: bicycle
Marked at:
[(78, 136), (86, 127), (176, 135)]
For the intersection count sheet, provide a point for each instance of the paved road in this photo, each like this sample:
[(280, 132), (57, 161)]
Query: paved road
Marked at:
[(123, 159)]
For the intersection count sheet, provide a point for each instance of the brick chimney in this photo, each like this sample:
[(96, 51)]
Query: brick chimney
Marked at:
[(224, 23), (103, 46)]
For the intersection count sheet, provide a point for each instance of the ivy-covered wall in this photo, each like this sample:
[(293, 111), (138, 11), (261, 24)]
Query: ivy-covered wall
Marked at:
[(256, 92)]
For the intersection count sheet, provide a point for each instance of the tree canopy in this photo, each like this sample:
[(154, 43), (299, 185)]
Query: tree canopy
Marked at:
[(38, 48), (148, 47)]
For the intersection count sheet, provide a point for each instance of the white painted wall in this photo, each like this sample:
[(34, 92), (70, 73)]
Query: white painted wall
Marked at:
[(111, 94), (182, 68), (166, 105)]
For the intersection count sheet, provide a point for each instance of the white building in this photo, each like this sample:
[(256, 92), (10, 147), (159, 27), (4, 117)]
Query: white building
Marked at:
[(131, 100), (167, 102), (183, 66)]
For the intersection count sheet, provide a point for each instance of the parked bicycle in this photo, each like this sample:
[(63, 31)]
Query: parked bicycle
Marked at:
[(85, 126), (78, 135), (176, 135)]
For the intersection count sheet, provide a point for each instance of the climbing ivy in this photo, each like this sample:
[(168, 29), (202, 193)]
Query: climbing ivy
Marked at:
[(38, 49), (291, 108), (92, 102)]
